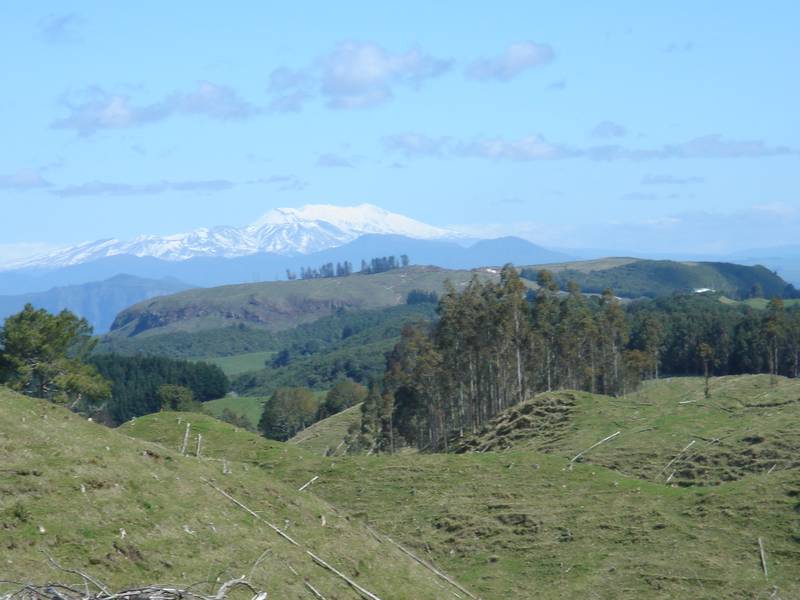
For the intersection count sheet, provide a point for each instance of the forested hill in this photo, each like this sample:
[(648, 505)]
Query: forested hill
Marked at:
[(634, 278), (281, 305)]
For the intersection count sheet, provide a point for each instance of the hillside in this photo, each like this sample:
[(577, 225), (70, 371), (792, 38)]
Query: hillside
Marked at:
[(327, 437), (98, 302), (633, 278), (280, 305), (131, 513), (522, 520)]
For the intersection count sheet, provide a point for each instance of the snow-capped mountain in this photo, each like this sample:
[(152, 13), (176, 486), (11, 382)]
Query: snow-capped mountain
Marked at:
[(287, 231)]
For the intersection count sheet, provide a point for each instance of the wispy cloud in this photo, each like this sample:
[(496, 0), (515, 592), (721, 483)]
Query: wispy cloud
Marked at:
[(353, 75), (22, 180), (333, 161), (416, 144), (608, 129), (284, 183), (61, 28), (105, 188), (675, 47), (524, 149), (96, 109), (671, 180), (512, 62), (537, 147)]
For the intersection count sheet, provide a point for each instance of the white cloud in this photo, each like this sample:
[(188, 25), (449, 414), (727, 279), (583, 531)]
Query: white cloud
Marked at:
[(537, 147), (608, 129), (24, 179), (95, 108), (353, 75), (517, 58)]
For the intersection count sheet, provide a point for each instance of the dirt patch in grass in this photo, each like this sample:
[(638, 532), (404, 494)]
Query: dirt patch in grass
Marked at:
[(544, 419), (731, 460)]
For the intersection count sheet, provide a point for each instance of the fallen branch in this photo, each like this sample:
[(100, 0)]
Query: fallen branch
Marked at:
[(677, 456), (277, 530), (314, 591), (350, 582), (81, 574), (763, 558), (432, 569), (605, 439), (54, 591), (313, 479)]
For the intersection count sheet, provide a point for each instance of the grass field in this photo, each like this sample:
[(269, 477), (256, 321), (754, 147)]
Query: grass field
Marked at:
[(240, 363), (249, 407), (634, 517), (131, 513), (325, 437), (760, 303)]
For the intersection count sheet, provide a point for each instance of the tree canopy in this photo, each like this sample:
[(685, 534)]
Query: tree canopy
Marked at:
[(43, 356)]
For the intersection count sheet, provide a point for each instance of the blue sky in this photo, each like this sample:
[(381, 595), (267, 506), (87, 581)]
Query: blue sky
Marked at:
[(624, 125)]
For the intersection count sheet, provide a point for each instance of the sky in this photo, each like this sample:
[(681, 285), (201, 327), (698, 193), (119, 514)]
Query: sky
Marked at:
[(643, 127)]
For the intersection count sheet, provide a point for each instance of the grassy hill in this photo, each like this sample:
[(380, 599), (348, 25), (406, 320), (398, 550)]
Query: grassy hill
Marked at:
[(279, 305), (130, 512), (633, 278), (326, 437), (518, 519), (249, 407)]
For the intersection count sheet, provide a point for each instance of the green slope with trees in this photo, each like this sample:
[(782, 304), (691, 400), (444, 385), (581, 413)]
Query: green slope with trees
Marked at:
[(634, 278), (490, 349), (279, 305)]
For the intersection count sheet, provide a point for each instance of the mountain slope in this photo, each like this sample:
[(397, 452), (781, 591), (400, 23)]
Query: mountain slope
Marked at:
[(99, 302)]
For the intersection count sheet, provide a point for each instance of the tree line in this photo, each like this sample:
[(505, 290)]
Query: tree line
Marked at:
[(495, 345), (50, 357), (344, 269)]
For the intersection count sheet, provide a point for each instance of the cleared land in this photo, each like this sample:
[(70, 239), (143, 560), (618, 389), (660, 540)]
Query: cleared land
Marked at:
[(326, 437), (249, 407), (240, 363), (519, 519), (131, 512)]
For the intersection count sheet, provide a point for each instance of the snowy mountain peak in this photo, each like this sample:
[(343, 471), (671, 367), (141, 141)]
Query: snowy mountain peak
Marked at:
[(288, 231), (361, 219)]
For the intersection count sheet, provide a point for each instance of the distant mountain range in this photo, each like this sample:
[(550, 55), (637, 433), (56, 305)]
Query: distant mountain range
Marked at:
[(98, 302), (266, 266), (283, 231)]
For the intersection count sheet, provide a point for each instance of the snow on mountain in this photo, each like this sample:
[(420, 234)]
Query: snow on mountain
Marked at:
[(287, 231)]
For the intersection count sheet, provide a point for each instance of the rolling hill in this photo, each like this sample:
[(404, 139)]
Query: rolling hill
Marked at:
[(634, 278), (279, 305), (133, 513), (678, 504)]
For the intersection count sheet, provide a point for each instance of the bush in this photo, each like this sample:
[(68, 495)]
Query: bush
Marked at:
[(288, 411)]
